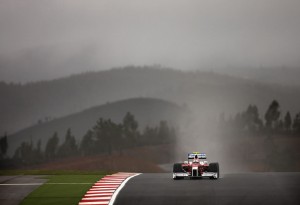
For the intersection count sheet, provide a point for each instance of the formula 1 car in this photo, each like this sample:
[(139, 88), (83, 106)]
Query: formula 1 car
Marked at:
[(196, 167)]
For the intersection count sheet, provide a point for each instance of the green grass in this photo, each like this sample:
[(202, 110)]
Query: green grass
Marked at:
[(62, 194), (50, 172)]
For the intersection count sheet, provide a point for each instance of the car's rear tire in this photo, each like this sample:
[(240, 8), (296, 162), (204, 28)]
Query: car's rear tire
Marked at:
[(177, 168), (214, 167)]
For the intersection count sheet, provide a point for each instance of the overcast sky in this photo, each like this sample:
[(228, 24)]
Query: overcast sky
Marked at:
[(45, 39)]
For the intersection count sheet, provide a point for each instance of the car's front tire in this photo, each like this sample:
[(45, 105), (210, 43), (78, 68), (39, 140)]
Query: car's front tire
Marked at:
[(214, 167), (177, 168)]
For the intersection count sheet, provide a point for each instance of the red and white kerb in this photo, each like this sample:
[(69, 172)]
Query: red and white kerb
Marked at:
[(106, 189)]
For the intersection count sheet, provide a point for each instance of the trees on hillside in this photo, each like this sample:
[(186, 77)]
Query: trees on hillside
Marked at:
[(165, 134), (105, 137), (52, 147), (287, 121), (69, 146), (88, 145), (296, 124), (272, 115), (108, 136), (3, 145), (130, 130), (270, 147), (250, 122), (28, 154)]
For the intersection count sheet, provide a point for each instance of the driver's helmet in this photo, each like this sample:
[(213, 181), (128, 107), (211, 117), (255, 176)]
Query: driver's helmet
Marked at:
[(196, 159)]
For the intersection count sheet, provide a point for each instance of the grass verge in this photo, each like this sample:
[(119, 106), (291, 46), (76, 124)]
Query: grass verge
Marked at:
[(65, 194), (50, 172)]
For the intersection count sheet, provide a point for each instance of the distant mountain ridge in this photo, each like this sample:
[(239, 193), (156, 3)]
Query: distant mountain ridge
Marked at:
[(279, 75), (206, 93)]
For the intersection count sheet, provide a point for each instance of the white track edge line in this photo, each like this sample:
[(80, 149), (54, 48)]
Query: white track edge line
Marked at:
[(114, 196), (36, 184)]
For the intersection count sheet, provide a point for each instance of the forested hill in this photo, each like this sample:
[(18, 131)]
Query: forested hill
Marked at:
[(204, 92), (147, 112)]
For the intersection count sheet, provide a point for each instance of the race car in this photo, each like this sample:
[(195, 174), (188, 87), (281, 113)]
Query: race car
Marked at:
[(196, 166)]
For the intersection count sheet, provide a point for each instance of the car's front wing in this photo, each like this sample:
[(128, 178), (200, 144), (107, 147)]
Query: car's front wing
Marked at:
[(204, 174)]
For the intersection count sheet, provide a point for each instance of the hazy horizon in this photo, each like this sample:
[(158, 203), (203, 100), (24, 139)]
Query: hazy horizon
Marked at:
[(42, 40)]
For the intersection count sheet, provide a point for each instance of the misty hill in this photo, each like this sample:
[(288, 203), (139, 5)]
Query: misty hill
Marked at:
[(147, 112), (275, 75), (205, 93)]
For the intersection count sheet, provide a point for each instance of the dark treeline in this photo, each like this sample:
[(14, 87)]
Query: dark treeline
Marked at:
[(105, 137), (272, 122), (3, 146), (268, 138)]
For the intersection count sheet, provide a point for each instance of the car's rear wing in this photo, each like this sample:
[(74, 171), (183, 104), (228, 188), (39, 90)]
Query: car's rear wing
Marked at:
[(199, 155)]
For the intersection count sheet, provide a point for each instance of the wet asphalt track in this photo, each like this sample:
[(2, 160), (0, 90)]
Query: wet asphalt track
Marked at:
[(248, 188), (14, 194)]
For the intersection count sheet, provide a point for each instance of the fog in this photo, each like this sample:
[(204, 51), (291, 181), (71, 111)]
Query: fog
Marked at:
[(54, 38), (50, 39), (202, 134)]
